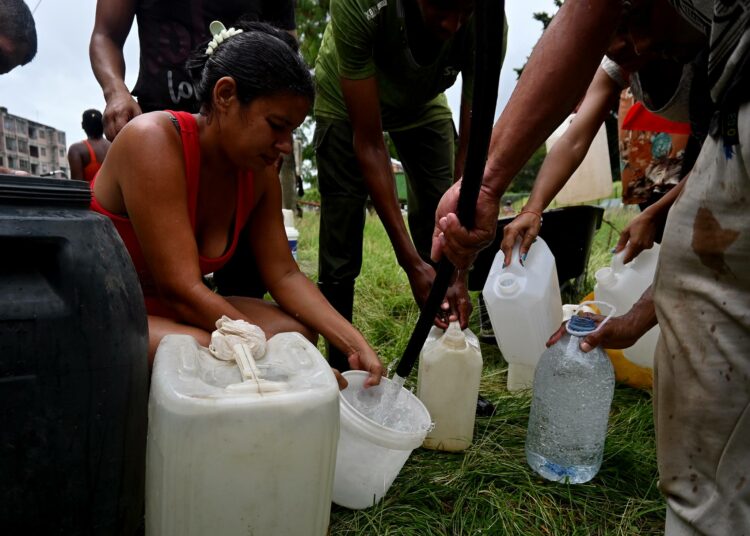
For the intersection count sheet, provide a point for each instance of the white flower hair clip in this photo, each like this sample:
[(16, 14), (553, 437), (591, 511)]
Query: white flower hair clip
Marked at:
[(220, 33)]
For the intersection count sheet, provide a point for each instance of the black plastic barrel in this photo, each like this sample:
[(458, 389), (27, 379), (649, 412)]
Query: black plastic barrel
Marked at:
[(73, 365)]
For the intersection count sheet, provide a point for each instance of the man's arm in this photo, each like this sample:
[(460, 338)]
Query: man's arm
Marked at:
[(361, 97), (114, 18), (559, 70)]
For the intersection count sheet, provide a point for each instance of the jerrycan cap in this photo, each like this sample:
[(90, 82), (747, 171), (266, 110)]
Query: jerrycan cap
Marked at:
[(453, 337), (580, 326), (605, 276), (507, 284)]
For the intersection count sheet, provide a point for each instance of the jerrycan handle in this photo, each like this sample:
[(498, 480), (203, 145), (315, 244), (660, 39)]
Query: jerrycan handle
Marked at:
[(612, 311), (617, 264)]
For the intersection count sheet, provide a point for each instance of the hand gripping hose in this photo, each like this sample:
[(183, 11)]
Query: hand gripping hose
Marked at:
[(489, 17)]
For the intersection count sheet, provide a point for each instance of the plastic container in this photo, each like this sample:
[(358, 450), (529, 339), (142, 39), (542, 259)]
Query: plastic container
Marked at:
[(450, 368), (525, 308), (593, 177), (224, 459), (292, 234), (73, 365), (622, 285), (570, 409), (370, 455)]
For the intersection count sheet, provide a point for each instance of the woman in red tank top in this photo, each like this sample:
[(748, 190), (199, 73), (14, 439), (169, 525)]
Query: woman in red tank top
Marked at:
[(86, 157), (180, 187)]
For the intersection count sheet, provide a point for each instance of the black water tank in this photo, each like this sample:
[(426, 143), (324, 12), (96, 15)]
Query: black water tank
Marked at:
[(73, 365)]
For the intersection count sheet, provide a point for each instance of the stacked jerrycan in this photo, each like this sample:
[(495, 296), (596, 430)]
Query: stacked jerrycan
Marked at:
[(450, 368), (525, 308), (593, 177), (73, 365), (292, 234), (622, 285), (227, 457)]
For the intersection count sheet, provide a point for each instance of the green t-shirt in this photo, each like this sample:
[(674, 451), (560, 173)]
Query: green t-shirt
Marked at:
[(366, 38)]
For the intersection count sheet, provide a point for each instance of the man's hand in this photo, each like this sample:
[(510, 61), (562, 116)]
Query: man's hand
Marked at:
[(457, 304), (451, 239), (121, 108), (619, 332)]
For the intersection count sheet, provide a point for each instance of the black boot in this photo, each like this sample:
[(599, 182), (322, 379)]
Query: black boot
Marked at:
[(341, 296)]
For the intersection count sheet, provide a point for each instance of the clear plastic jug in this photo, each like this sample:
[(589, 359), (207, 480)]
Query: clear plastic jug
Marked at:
[(570, 410), (450, 368), (525, 308), (622, 285), (226, 459)]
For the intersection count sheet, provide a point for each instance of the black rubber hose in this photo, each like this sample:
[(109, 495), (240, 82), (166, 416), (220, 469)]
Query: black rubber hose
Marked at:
[(489, 17)]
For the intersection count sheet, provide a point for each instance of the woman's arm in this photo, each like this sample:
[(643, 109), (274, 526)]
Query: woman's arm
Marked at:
[(291, 289), (641, 232), (562, 161)]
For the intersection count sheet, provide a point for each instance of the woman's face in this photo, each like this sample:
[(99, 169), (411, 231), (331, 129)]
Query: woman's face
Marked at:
[(261, 131)]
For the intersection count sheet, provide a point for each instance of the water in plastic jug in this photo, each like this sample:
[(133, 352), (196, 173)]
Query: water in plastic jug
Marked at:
[(525, 308), (622, 285), (226, 459), (593, 177), (570, 409), (450, 368)]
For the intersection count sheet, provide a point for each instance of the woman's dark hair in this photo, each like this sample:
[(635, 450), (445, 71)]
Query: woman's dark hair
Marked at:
[(262, 60), (92, 123)]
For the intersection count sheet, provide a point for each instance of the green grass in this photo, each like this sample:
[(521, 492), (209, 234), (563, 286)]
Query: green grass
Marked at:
[(489, 489)]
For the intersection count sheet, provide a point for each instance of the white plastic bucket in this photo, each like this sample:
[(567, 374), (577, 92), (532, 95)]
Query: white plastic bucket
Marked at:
[(370, 455)]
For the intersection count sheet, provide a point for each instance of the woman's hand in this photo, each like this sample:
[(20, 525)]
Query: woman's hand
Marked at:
[(637, 236), (525, 227), (365, 358)]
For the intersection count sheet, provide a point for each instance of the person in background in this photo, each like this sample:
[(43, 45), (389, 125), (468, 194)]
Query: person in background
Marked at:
[(701, 292), (86, 157), (168, 31), (17, 35), (383, 66), (179, 187)]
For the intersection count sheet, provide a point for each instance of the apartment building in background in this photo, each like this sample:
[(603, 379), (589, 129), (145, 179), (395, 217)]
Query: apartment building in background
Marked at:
[(26, 145)]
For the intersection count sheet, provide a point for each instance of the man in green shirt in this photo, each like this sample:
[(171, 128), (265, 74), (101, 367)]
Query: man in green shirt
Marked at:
[(383, 66)]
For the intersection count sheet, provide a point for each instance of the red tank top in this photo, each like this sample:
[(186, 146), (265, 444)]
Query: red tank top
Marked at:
[(89, 172), (191, 154)]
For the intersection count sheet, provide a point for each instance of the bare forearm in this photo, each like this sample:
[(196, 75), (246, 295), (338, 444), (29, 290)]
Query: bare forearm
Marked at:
[(375, 164), (300, 298), (198, 306), (108, 64)]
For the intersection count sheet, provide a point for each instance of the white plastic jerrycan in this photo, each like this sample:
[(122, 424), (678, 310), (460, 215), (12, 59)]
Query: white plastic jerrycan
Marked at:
[(224, 458), (525, 308), (622, 285), (593, 178), (450, 368)]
